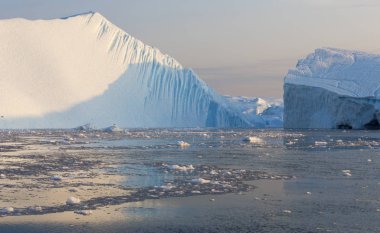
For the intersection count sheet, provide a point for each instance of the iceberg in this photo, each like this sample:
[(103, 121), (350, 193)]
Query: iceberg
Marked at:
[(266, 112), (82, 69), (334, 89)]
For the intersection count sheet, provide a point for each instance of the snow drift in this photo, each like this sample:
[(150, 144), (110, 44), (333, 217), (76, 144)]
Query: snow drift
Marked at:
[(83, 69), (333, 88)]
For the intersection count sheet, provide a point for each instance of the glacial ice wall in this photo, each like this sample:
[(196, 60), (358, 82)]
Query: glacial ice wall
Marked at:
[(103, 76), (333, 88)]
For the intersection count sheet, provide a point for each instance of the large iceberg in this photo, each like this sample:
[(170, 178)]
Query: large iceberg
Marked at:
[(83, 69), (333, 88)]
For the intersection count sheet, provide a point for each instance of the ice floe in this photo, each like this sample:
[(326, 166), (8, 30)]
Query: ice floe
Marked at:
[(73, 201)]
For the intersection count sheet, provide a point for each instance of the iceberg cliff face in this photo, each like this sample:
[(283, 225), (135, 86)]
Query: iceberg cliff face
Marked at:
[(333, 88), (83, 69)]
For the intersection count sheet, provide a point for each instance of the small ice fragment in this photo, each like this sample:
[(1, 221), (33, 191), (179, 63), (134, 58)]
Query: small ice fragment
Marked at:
[(181, 168), (213, 172), (7, 210), (56, 178), (167, 186), (196, 192), (113, 129), (377, 210), (70, 139), (287, 211), (83, 212), (212, 199), (308, 193), (347, 172), (369, 160), (72, 201), (183, 144), (200, 181), (320, 143), (254, 140)]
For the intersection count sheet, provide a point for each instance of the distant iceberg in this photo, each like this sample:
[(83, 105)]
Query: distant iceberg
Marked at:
[(263, 112), (333, 88)]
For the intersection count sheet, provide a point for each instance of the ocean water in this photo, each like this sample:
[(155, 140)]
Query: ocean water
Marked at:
[(145, 180)]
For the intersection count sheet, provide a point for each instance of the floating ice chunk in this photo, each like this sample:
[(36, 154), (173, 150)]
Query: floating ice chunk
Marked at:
[(72, 201), (213, 172), (7, 210), (69, 139), (183, 144), (287, 211), (369, 160), (308, 193), (212, 199), (254, 140), (167, 186), (81, 135), (112, 129), (180, 192), (347, 172), (56, 178), (83, 212), (200, 181), (320, 143), (196, 192), (181, 168)]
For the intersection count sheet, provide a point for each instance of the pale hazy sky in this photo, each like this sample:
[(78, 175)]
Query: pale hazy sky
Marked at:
[(239, 47)]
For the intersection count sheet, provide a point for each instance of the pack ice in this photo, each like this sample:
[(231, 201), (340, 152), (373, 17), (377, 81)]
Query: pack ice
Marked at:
[(83, 69), (333, 88)]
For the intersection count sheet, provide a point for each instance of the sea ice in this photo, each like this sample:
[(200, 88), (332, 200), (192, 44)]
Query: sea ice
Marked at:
[(72, 201), (183, 144), (253, 140), (200, 181)]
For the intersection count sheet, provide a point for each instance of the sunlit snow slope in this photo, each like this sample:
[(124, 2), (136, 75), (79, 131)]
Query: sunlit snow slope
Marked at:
[(333, 88), (82, 69)]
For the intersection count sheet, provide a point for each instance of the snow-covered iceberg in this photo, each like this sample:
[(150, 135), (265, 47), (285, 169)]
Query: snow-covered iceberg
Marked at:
[(83, 69), (333, 88)]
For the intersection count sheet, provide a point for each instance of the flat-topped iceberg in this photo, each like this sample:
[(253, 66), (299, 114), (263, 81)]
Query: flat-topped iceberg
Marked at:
[(333, 88)]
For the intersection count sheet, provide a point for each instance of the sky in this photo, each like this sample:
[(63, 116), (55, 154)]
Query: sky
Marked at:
[(239, 47)]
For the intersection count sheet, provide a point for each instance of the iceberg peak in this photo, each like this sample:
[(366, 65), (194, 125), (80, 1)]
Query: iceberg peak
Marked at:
[(87, 13)]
